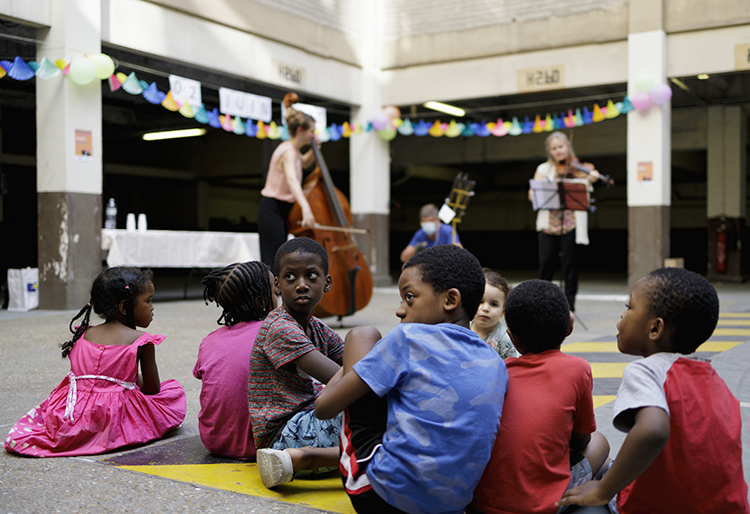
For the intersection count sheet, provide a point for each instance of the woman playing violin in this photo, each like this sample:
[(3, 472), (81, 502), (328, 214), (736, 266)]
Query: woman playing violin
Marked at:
[(561, 230), (284, 186)]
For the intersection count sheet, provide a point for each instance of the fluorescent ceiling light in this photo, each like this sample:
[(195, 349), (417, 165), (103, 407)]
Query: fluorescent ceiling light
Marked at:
[(173, 134), (703, 76), (447, 109)]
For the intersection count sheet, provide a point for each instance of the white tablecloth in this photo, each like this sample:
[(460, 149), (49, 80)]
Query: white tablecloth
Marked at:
[(178, 249)]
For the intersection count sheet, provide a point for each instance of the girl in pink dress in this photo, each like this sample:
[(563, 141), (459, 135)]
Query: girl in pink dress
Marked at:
[(244, 291), (104, 403)]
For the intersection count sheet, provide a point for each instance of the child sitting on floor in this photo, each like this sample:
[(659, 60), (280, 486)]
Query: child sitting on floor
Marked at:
[(294, 355), (547, 441), (244, 291), (104, 403), (683, 451), (444, 388), (488, 322)]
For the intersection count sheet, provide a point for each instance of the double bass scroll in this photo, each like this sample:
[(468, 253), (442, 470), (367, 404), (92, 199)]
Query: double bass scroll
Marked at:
[(351, 288)]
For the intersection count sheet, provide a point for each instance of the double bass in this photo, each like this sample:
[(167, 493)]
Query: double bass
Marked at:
[(351, 279)]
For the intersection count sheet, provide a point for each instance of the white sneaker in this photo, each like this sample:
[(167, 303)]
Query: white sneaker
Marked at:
[(275, 467)]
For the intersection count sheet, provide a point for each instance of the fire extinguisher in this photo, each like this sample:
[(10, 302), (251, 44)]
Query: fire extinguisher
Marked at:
[(721, 249)]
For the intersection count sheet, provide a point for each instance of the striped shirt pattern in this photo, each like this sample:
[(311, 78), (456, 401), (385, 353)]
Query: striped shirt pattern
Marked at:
[(277, 389)]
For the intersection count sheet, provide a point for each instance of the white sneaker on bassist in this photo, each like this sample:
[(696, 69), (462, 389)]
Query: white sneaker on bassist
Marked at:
[(275, 467)]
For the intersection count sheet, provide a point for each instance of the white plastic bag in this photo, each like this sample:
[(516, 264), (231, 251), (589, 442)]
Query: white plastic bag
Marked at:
[(23, 289)]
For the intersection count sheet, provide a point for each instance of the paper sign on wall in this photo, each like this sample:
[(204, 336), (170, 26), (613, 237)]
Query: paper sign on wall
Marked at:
[(185, 90), (244, 105), (84, 146), (645, 172)]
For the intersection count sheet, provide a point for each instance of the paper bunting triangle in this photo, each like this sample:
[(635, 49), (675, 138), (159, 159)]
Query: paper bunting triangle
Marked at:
[(480, 129), (612, 111), (549, 125), (436, 130), (627, 106), (515, 127), (406, 128), (169, 103), (213, 118), (132, 85), (453, 129), (528, 125), (325, 135), (238, 126), (570, 120), (121, 77), (358, 128), (186, 109), (499, 129), (335, 132), (250, 128), (201, 116), (468, 130), (598, 115), (422, 128), (19, 70), (225, 122), (61, 63), (153, 95), (47, 69), (346, 130), (143, 83), (2, 72), (284, 133), (538, 125), (261, 133), (579, 118), (273, 131), (66, 69), (587, 116), (33, 65)]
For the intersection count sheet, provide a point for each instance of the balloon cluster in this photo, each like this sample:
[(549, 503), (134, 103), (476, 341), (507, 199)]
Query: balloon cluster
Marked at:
[(386, 122), (649, 92), (84, 69)]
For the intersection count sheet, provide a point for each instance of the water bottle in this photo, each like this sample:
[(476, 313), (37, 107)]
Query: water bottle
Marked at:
[(110, 214)]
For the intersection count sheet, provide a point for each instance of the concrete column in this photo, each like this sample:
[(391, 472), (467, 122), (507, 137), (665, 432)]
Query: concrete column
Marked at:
[(369, 157), (649, 146), (69, 185), (726, 207)]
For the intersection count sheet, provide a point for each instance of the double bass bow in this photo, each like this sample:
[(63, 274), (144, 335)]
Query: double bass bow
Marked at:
[(351, 288)]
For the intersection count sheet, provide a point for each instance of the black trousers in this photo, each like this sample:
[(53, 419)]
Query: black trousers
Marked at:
[(272, 232), (564, 246)]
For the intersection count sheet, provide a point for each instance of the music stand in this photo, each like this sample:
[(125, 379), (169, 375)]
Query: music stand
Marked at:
[(570, 194)]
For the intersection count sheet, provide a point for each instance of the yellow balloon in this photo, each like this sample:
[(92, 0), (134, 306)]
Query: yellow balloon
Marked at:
[(103, 64)]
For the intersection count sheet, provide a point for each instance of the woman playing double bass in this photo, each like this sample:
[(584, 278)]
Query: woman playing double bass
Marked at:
[(561, 230), (284, 186)]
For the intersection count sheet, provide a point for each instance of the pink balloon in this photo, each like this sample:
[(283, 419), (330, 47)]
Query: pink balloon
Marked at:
[(661, 93), (380, 121), (641, 101)]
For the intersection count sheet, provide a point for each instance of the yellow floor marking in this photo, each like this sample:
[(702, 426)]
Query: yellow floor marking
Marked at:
[(325, 494), (732, 332), (607, 369), (603, 399), (734, 315), (734, 322), (603, 347), (590, 347)]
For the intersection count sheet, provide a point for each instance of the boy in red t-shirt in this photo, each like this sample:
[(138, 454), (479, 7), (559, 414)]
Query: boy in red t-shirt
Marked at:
[(547, 441), (683, 451)]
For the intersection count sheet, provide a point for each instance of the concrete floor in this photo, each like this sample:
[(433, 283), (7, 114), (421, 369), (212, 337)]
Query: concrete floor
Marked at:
[(29, 351)]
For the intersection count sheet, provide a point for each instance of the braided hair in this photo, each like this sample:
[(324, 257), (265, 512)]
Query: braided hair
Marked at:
[(112, 286), (242, 289)]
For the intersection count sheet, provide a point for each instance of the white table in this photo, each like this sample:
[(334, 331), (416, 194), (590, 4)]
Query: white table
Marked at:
[(178, 249)]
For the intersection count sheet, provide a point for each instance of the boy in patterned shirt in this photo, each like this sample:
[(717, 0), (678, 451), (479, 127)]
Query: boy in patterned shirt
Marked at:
[(294, 355), (442, 388)]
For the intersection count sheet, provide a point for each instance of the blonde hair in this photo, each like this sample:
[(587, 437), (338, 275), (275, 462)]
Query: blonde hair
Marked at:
[(558, 135)]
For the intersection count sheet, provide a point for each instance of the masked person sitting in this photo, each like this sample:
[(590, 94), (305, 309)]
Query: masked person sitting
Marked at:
[(433, 232)]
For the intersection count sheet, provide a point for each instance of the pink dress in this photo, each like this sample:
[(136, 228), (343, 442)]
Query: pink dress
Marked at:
[(98, 407)]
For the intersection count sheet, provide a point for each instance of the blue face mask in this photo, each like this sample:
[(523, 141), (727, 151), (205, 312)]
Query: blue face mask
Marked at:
[(429, 227)]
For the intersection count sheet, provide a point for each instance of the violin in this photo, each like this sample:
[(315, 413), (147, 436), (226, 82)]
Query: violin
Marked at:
[(351, 288), (573, 168)]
